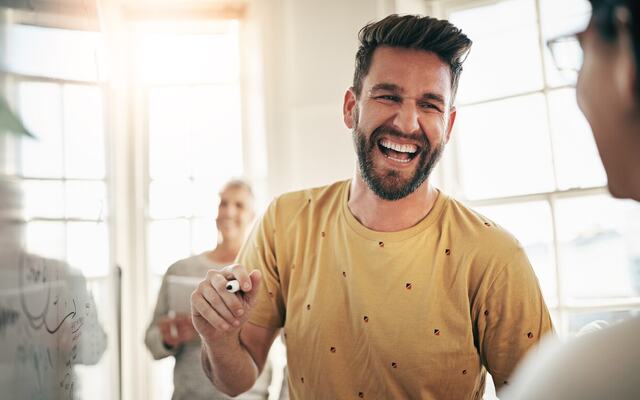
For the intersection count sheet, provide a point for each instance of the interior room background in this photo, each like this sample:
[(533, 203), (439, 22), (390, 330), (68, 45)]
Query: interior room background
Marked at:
[(142, 110)]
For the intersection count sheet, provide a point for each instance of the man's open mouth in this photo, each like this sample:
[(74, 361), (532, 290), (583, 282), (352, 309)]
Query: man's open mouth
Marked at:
[(402, 153)]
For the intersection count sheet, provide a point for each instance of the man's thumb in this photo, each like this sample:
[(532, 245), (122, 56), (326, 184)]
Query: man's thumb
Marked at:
[(256, 282)]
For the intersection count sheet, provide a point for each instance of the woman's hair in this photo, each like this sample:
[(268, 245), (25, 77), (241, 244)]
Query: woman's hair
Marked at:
[(606, 24)]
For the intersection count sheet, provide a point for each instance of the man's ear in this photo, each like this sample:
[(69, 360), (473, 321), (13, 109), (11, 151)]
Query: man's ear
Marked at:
[(625, 71), (452, 119), (348, 108)]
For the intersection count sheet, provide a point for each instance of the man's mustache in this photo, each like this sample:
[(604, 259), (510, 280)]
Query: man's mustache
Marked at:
[(389, 131)]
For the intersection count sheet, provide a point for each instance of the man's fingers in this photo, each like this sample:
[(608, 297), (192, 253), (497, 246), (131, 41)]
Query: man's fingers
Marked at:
[(216, 300), (204, 310), (238, 272), (231, 301)]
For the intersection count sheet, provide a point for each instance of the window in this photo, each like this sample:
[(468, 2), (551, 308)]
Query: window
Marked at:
[(189, 81), (62, 171), (138, 127), (169, 96), (525, 157)]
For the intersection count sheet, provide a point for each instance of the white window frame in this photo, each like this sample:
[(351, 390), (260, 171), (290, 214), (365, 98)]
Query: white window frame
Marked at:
[(10, 82), (449, 175)]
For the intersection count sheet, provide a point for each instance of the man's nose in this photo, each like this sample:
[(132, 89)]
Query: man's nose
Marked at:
[(223, 211), (231, 212), (407, 118)]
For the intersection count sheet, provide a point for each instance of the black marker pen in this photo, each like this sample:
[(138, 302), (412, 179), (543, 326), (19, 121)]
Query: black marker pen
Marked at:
[(233, 286)]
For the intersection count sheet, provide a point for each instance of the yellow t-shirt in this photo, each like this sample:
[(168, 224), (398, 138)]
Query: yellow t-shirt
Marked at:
[(418, 313)]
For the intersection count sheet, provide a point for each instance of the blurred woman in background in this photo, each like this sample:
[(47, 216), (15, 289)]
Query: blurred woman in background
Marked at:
[(171, 332)]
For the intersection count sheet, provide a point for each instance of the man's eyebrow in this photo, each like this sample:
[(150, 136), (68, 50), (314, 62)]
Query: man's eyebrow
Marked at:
[(433, 96), (389, 87)]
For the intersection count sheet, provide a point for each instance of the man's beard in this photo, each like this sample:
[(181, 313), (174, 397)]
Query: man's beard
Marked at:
[(390, 184)]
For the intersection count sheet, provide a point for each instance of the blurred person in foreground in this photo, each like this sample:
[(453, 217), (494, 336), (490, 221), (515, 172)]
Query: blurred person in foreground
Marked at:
[(48, 317), (171, 332), (604, 364), (385, 287)]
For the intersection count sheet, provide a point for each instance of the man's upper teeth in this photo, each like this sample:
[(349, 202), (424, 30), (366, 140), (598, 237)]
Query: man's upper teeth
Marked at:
[(403, 148)]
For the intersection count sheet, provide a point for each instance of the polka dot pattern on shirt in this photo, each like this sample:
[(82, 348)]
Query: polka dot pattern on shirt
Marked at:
[(409, 287)]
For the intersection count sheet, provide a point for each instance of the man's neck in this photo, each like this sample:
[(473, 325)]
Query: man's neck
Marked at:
[(389, 216), (225, 252)]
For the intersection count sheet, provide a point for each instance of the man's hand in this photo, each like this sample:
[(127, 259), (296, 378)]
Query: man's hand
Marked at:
[(176, 329), (218, 314)]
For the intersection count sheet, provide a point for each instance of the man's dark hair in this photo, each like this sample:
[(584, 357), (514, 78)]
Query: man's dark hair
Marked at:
[(604, 20), (412, 32)]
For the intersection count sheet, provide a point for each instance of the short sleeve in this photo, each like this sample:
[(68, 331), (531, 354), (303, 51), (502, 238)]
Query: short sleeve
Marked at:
[(259, 252), (511, 317)]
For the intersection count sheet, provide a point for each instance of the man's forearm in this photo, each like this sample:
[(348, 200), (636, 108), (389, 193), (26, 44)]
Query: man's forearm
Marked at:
[(229, 366)]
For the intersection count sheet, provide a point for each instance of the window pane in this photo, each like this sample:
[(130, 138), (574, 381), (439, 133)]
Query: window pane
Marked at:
[(205, 235), (46, 239), (560, 18), (88, 248), (491, 71), (184, 58), (43, 199), (531, 224), (40, 108), (599, 251), (170, 199), (577, 161), (86, 200), (84, 134), (168, 243), (206, 198), (195, 131), (503, 148), (169, 111), (54, 53), (585, 322), (555, 318), (215, 134)]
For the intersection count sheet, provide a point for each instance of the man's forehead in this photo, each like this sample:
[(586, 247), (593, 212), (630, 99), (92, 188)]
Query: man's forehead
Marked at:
[(235, 192), (408, 71)]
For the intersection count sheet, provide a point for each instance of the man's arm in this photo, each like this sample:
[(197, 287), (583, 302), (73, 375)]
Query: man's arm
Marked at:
[(511, 317), (234, 367), (233, 351)]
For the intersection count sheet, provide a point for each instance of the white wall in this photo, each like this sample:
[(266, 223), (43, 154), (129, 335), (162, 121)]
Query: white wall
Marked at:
[(309, 50)]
